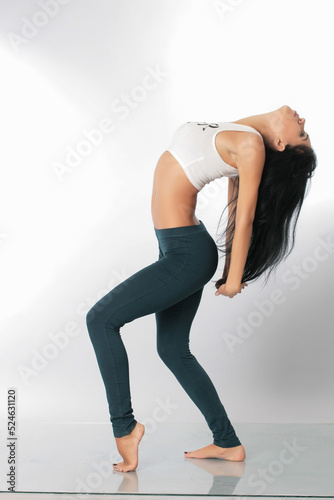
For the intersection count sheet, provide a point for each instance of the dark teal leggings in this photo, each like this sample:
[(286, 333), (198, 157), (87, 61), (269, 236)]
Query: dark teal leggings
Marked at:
[(171, 288)]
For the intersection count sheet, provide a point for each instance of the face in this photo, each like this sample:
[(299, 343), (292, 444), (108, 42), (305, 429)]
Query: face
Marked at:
[(289, 128)]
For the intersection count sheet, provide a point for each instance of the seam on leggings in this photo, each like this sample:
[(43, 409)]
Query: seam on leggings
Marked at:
[(113, 358)]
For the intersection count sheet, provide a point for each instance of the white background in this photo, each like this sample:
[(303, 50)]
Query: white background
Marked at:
[(68, 237)]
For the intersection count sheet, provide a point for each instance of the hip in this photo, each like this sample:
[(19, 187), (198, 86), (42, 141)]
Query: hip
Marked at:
[(189, 249)]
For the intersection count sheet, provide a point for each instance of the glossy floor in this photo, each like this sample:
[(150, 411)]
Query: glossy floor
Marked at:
[(295, 460)]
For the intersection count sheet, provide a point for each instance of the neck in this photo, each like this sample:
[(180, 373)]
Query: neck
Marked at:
[(262, 123)]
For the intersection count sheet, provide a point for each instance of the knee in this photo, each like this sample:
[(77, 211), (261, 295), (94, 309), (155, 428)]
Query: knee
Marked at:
[(92, 318), (96, 319), (172, 354), (103, 317), (166, 355)]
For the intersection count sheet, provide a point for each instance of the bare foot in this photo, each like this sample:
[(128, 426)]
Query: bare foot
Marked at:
[(128, 449), (235, 454)]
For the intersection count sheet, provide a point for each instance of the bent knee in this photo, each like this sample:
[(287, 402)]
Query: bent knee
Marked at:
[(90, 315), (172, 354), (100, 318), (96, 318)]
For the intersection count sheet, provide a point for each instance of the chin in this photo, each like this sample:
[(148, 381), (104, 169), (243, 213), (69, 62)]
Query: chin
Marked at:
[(284, 109)]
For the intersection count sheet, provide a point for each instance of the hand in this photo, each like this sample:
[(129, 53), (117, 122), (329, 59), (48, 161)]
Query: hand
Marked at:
[(230, 291)]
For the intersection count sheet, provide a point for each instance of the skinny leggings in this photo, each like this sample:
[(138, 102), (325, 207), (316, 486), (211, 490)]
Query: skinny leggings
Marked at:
[(171, 288)]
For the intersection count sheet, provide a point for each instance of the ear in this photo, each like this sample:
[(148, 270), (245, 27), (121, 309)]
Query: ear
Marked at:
[(278, 144)]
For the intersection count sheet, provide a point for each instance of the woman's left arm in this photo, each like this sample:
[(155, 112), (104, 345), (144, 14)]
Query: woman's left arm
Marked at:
[(250, 166)]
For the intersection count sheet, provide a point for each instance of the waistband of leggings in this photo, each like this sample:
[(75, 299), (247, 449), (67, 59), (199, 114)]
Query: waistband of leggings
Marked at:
[(181, 230)]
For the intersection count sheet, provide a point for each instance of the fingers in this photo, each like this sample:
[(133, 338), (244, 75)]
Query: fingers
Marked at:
[(221, 291)]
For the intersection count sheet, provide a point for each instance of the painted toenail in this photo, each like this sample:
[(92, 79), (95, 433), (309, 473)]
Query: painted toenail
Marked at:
[(186, 452)]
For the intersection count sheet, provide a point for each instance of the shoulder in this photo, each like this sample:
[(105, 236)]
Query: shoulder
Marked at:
[(250, 153), (249, 141), (250, 157), (242, 143)]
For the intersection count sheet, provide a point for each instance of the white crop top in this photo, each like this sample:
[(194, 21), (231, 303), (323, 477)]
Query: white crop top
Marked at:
[(193, 146)]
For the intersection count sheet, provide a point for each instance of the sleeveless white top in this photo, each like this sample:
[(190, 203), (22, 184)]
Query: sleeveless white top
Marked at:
[(193, 146)]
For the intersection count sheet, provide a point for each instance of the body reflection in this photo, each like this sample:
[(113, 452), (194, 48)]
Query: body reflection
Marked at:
[(129, 483), (226, 475)]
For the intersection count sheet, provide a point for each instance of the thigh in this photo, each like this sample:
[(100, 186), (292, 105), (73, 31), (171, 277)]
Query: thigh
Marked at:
[(153, 288)]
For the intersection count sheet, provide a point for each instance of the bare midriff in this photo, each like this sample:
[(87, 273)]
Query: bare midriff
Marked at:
[(174, 197)]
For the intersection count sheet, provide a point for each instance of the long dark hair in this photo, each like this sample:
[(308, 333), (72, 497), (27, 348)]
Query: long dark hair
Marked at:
[(280, 197)]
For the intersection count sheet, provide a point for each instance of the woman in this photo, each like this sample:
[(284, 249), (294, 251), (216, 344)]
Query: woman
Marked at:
[(268, 160)]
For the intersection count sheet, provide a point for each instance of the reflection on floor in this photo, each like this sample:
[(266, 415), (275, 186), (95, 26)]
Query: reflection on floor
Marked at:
[(75, 458)]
